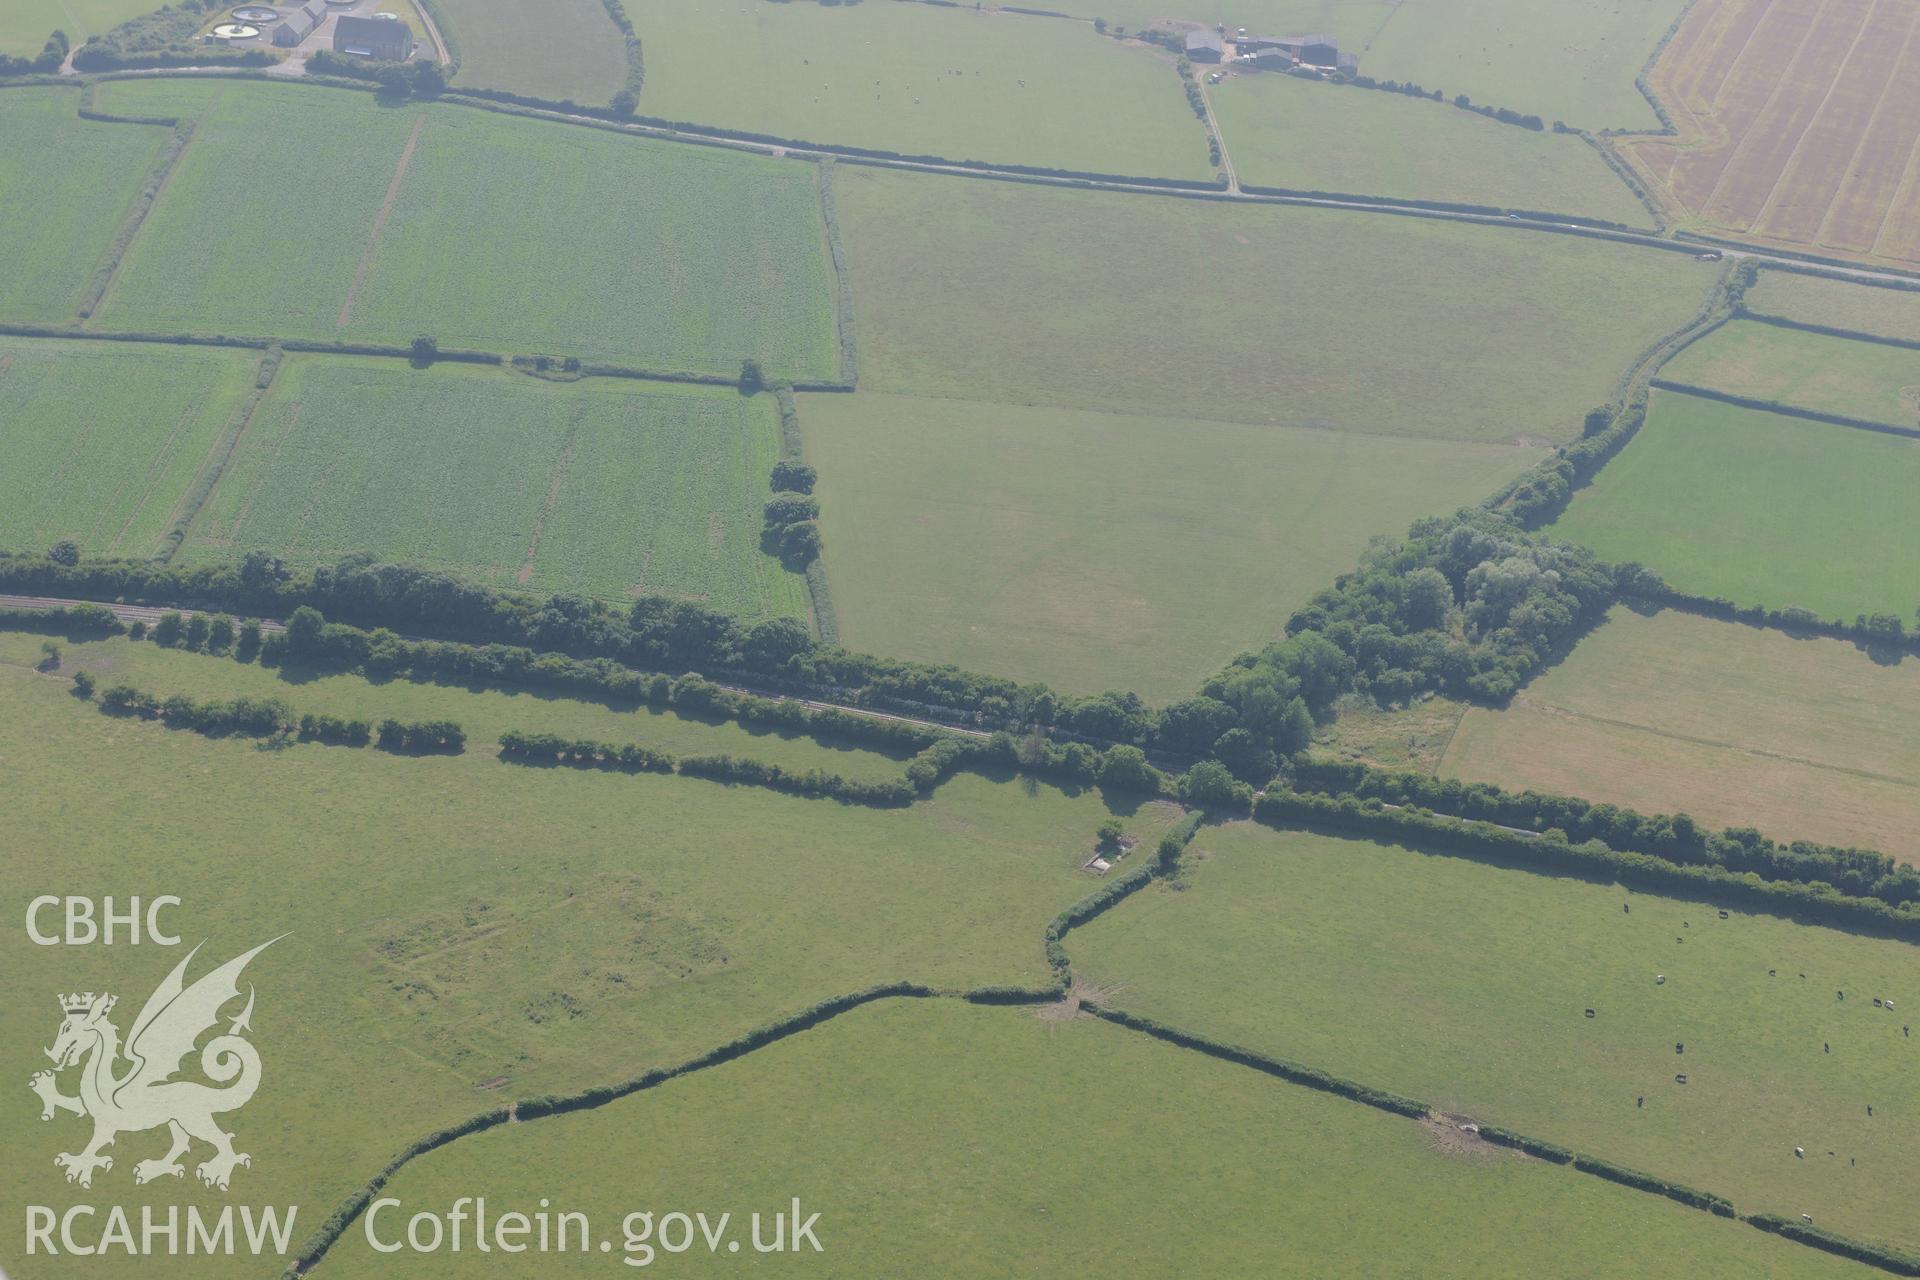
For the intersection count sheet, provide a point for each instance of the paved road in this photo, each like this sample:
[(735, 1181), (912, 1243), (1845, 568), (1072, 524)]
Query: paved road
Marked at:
[(722, 138)]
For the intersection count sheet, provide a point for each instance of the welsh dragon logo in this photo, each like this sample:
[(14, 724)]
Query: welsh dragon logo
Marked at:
[(145, 1095)]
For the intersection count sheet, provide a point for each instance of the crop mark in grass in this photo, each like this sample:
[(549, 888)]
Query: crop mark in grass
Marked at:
[(554, 480), (156, 470), (286, 434), (1553, 709), (380, 222)]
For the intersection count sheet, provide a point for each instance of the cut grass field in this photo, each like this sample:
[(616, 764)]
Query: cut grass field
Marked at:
[(1793, 123), (26, 24), (66, 187), (1465, 985), (611, 248), (1838, 304), (1760, 508), (1805, 371), (463, 932), (923, 80), (561, 50), (99, 441), (1291, 316), (936, 1138), (604, 487), (1803, 739), (1282, 131), (1579, 66), (1102, 550)]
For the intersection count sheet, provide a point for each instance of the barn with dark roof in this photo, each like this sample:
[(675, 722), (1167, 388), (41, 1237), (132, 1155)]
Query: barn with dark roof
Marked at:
[(385, 38), (1205, 46)]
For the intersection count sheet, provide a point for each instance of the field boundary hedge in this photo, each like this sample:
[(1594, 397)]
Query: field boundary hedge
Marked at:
[(1428, 832), (534, 1108), (1832, 331), (305, 346), (1675, 838), (826, 621), (1894, 1260), (1800, 623), (1784, 409), (1540, 494), (1643, 82)]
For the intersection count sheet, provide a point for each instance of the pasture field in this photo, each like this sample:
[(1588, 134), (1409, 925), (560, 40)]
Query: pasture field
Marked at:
[(936, 1138), (1578, 66), (100, 441), (560, 50), (1465, 985), (1760, 508), (464, 932), (26, 24), (921, 80), (610, 248), (484, 713), (66, 187), (1838, 304), (1805, 371), (1739, 727), (1286, 316), (1282, 131), (604, 487), (1796, 122), (1097, 551)]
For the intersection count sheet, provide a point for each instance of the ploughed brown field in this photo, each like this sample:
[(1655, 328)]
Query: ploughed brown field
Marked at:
[(1798, 124)]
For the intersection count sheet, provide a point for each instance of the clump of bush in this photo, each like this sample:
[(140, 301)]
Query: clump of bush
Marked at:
[(424, 737)]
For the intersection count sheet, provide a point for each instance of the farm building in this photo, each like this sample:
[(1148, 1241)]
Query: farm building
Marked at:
[(1347, 64), (1315, 51), (300, 24), (1272, 59), (1254, 44), (385, 38), (1205, 46)]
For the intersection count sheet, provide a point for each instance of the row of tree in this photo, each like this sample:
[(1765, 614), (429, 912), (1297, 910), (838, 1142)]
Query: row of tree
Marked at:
[(1675, 837)]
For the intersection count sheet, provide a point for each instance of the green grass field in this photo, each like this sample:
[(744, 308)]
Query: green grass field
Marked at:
[(605, 487), (1294, 317), (940, 1139), (1805, 371), (1578, 66), (66, 187), (1803, 739), (100, 441), (1095, 550), (1281, 131), (1838, 304), (1760, 508), (619, 249), (457, 920), (26, 24), (1464, 985), (563, 49), (917, 79)]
